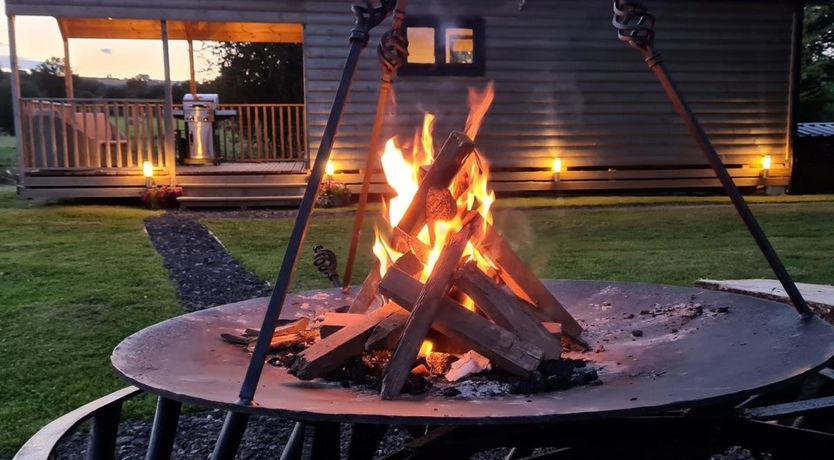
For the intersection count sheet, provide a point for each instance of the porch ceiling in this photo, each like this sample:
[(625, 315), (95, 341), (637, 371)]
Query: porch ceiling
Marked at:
[(181, 30)]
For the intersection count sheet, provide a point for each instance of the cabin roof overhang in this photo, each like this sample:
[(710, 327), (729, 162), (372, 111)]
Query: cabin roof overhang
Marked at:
[(150, 29)]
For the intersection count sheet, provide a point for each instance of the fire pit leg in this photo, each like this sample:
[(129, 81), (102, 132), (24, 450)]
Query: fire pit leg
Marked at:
[(364, 440), (519, 452), (393, 52), (635, 25), (230, 436), (164, 429), (295, 444), (326, 441), (103, 433)]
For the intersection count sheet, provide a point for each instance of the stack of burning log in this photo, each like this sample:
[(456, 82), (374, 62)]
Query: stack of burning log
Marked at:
[(445, 269)]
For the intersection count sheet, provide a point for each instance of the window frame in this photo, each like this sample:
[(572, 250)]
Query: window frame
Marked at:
[(440, 67)]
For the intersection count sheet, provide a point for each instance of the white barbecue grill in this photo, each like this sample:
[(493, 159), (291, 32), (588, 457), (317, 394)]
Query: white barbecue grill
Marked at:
[(200, 112)]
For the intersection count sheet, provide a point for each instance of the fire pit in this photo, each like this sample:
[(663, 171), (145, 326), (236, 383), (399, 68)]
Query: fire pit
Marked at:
[(736, 346)]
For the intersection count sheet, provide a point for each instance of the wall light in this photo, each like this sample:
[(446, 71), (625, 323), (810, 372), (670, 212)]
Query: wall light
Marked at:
[(767, 162), (557, 168), (330, 170), (147, 171)]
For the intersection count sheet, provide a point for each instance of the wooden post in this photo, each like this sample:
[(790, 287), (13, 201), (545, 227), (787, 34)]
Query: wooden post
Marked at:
[(798, 23), (192, 84), (15, 84), (170, 156), (68, 86)]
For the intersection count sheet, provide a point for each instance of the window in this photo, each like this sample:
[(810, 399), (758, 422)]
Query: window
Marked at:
[(454, 47)]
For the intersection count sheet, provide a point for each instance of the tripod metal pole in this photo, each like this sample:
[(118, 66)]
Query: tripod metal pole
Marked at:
[(635, 26), (393, 50), (235, 425)]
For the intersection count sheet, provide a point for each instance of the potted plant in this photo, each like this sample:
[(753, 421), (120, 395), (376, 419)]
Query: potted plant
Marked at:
[(161, 196), (333, 194)]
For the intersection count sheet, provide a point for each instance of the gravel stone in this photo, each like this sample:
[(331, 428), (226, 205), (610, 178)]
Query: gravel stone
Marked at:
[(204, 273)]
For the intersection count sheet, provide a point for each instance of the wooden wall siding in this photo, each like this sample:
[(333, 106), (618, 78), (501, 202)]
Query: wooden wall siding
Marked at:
[(565, 85)]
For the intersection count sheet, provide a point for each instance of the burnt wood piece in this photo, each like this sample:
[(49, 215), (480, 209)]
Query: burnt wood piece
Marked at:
[(292, 328), (368, 292), (444, 169), (387, 333), (334, 321), (250, 335), (330, 353), (553, 328), (424, 311), (440, 204), (524, 283), (280, 342), (410, 264), (506, 310), (405, 242), (505, 349)]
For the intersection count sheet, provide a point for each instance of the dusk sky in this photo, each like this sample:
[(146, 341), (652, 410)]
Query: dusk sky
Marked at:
[(38, 38)]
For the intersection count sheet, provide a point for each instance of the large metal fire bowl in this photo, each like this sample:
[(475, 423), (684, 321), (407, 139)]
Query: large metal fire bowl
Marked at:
[(712, 357)]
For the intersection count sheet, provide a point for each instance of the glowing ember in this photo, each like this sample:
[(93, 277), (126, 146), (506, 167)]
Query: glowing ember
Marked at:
[(426, 348)]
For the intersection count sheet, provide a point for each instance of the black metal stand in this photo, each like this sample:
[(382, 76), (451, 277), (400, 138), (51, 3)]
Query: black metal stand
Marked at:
[(105, 427), (164, 429), (295, 444), (367, 18), (635, 25)]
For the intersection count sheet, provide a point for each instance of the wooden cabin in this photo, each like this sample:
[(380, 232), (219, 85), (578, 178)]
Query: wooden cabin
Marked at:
[(566, 88)]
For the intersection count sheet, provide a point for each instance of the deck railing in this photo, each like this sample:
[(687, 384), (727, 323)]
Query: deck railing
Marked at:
[(260, 132), (85, 134), (76, 134)]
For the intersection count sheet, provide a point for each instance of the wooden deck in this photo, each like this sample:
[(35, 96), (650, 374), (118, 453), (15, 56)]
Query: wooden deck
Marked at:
[(277, 167), (243, 185)]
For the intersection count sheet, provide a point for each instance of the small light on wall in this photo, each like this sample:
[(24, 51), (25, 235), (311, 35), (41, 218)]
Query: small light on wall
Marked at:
[(330, 170), (767, 162), (147, 171), (557, 168)]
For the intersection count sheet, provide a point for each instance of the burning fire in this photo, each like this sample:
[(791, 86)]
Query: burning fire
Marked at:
[(470, 190)]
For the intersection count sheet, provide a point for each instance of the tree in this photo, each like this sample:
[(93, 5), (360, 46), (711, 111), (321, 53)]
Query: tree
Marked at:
[(258, 72), (816, 94), (48, 76)]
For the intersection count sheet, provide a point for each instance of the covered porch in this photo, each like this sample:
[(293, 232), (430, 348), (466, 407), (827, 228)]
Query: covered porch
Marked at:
[(98, 148)]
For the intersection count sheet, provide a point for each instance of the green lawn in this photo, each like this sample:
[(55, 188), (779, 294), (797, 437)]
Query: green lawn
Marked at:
[(8, 152), (662, 244), (74, 281)]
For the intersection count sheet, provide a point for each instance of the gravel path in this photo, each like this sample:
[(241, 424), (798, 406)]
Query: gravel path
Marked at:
[(204, 273)]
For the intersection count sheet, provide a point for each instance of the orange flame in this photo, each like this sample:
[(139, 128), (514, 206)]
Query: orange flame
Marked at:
[(470, 189)]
